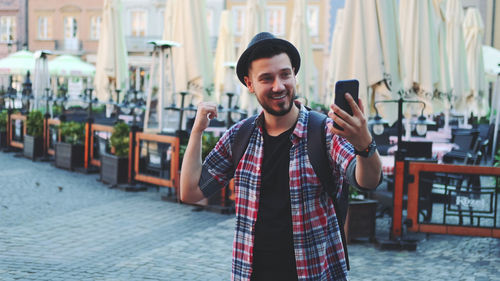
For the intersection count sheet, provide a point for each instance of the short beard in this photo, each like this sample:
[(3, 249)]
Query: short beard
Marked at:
[(281, 112)]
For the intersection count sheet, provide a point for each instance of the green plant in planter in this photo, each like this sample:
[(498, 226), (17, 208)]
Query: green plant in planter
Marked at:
[(120, 139), (34, 124), (208, 143), (3, 121), (72, 132), (354, 193)]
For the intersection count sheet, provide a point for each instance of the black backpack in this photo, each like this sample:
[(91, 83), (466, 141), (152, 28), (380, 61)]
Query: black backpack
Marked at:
[(317, 152)]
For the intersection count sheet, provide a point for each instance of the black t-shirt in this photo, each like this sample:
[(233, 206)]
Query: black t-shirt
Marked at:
[(274, 257)]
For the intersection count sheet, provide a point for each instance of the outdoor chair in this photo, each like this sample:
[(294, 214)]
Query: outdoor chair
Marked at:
[(415, 152), (467, 141)]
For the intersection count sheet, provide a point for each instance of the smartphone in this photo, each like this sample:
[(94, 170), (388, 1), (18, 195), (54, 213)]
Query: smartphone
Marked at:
[(342, 87)]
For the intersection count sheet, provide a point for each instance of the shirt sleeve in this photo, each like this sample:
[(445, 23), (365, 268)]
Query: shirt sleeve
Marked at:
[(351, 174), (217, 169), (341, 157)]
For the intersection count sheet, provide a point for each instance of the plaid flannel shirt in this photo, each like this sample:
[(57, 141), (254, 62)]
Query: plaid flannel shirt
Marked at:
[(317, 241)]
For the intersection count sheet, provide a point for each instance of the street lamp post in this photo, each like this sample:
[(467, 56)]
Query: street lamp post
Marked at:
[(27, 94), (378, 123), (378, 128), (11, 94)]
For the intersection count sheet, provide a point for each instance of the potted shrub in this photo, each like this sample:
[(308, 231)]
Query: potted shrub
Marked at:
[(114, 166), (3, 129), (70, 151), (33, 141)]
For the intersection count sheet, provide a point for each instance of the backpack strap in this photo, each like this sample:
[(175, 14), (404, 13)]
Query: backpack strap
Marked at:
[(317, 152), (241, 139)]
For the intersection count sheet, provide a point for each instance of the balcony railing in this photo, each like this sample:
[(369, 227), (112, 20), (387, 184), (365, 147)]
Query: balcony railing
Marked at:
[(69, 45)]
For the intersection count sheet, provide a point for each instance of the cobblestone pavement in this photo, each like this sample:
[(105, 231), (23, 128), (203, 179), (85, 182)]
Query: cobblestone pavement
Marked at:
[(61, 225)]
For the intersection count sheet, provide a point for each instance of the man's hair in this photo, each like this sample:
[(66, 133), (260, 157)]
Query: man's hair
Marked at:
[(266, 51)]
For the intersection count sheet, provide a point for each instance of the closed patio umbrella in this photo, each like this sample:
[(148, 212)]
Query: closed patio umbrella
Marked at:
[(329, 97), (360, 53), (112, 63), (457, 56), (307, 78), (442, 93), (41, 79), (255, 22), (473, 33), (491, 61), (224, 54), (420, 51), (368, 48), (192, 60)]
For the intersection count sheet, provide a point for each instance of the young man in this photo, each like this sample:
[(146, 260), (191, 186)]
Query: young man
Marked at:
[(286, 227)]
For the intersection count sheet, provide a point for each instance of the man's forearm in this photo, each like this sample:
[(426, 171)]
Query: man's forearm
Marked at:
[(191, 169), (368, 171)]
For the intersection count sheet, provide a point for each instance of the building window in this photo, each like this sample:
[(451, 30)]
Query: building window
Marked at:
[(276, 20), (238, 19), (71, 34), (44, 27), (95, 27), (139, 23), (7, 28), (70, 28), (313, 20)]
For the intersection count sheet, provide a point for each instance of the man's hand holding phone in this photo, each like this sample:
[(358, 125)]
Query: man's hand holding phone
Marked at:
[(353, 127)]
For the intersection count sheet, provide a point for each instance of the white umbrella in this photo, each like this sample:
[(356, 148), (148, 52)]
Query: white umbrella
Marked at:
[(420, 50), (70, 66), (41, 78), (328, 97), (457, 55), (387, 15), (360, 54), (390, 39), (224, 54), (255, 22), (307, 78), (495, 102), (473, 32), (18, 63), (192, 60), (368, 48), (111, 66), (491, 61), (441, 101)]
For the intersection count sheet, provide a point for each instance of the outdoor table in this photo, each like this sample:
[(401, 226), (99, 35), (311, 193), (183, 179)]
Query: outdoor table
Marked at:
[(439, 149)]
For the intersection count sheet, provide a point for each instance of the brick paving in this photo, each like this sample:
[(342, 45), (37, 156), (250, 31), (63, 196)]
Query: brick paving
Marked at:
[(61, 225)]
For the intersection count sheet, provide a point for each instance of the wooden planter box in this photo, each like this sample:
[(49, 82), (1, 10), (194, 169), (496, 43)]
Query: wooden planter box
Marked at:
[(69, 156), (114, 169), (360, 222), (3, 139), (33, 147)]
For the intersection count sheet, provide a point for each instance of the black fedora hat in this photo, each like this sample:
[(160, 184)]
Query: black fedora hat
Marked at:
[(261, 40)]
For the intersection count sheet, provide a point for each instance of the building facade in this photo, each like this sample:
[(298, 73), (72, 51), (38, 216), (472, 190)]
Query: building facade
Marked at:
[(13, 29), (64, 27)]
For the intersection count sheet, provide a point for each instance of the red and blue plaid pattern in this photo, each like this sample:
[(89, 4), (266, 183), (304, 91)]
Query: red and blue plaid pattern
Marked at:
[(317, 242)]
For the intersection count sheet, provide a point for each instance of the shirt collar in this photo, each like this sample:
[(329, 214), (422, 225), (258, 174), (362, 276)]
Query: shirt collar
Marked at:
[(300, 127)]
